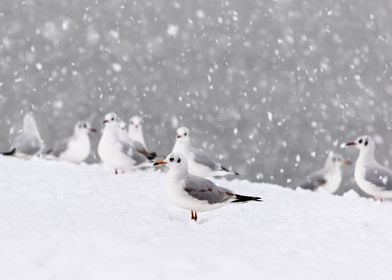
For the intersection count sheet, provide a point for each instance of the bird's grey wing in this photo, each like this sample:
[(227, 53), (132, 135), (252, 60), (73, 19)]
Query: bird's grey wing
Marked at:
[(205, 190), (60, 147), (314, 181), (27, 145), (138, 146), (128, 149), (379, 176), (203, 158)]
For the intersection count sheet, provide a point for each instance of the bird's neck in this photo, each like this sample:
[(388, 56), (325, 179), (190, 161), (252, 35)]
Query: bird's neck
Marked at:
[(366, 156), (110, 132), (177, 174), (80, 135)]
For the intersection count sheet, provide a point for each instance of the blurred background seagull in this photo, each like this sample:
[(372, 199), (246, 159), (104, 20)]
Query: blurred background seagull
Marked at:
[(115, 152), (199, 162), (29, 141), (76, 148), (135, 132), (123, 133), (329, 177), (194, 193), (371, 177)]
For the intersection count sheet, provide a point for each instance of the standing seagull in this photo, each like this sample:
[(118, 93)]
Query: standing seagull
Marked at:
[(371, 177), (124, 136), (199, 162), (194, 193), (29, 141), (329, 177), (135, 132), (77, 147), (114, 152)]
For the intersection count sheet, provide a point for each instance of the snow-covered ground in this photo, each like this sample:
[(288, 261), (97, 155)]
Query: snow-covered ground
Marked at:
[(63, 221)]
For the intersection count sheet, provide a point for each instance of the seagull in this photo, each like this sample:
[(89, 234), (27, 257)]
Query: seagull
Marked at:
[(29, 141), (371, 177), (194, 193), (123, 133), (135, 132), (329, 177), (117, 153), (199, 162), (77, 147), (124, 136)]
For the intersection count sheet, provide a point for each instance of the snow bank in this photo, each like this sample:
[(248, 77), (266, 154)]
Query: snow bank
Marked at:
[(63, 221)]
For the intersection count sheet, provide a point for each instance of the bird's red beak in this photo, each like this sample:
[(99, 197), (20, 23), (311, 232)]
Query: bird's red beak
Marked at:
[(93, 130), (351, 144), (347, 162), (160, 163), (105, 121), (178, 136)]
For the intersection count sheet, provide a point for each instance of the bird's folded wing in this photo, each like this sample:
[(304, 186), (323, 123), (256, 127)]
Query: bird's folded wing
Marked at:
[(205, 190), (314, 181), (203, 158), (129, 150), (138, 146), (379, 176)]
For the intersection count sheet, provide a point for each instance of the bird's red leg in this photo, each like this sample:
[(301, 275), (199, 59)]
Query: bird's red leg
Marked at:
[(115, 171), (195, 216), (192, 215)]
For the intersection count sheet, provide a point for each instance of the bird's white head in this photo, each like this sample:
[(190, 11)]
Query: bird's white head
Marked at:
[(182, 134), (136, 122), (363, 143), (110, 118), (174, 161), (336, 160), (122, 125), (83, 127)]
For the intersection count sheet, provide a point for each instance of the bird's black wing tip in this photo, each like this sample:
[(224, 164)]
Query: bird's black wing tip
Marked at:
[(244, 198), (228, 170)]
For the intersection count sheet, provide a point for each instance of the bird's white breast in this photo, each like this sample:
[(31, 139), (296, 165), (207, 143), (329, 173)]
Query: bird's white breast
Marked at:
[(334, 180), (110, 151), (78, 149)]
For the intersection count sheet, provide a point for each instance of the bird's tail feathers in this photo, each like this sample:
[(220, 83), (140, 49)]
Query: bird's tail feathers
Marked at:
[(9, 153), (147, 154)]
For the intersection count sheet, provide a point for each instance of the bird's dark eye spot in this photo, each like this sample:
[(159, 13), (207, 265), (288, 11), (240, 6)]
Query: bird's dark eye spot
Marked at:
[(185, 134), (360, 141), (85, 126), (171, 159), (366, 142), (112, 119), (179, 160)]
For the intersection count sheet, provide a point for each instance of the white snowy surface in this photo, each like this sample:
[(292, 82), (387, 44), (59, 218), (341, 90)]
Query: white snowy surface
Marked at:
[(64, 221)]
